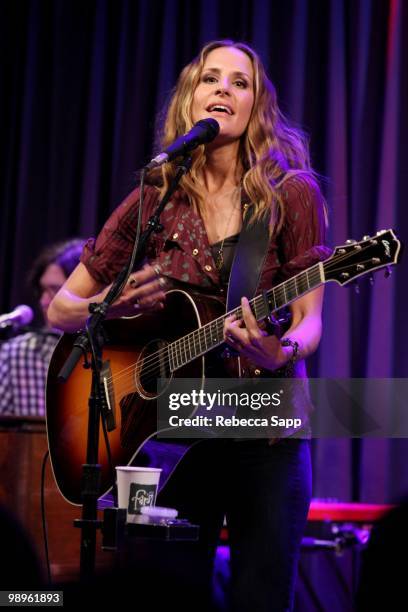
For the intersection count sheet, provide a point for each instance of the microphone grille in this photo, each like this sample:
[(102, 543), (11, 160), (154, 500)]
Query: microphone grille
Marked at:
[(25, 314), (211, 128)]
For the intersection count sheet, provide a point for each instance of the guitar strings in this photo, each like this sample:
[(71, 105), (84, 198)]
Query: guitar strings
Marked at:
[(130, 387), (203, 331), (206, 331), (158, 358), (184, 346), (151, 373)]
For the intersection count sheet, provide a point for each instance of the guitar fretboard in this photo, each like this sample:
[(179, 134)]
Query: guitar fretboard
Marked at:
[(209, 336)]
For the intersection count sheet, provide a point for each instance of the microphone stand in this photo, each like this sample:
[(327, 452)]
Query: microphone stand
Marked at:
[(93, 340)]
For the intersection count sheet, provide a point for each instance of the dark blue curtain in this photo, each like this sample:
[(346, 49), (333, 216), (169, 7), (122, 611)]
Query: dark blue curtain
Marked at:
[(81, 84)]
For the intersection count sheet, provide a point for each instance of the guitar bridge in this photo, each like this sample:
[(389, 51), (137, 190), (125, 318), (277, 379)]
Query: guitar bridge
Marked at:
[(107, 396)]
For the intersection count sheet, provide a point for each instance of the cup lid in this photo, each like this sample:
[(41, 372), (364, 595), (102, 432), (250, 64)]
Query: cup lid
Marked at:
[(159, 511), (133, 468)]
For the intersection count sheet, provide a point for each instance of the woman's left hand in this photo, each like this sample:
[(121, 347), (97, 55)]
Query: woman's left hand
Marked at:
[(248, 339)]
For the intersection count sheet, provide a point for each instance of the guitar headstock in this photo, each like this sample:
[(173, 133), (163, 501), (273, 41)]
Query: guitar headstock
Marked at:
[(355, 259)]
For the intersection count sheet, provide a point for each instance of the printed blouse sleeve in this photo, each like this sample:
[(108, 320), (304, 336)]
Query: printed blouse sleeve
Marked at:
[(106, 256), (302, 238)]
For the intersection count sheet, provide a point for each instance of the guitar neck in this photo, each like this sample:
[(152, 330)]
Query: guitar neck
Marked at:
[(209, 336)]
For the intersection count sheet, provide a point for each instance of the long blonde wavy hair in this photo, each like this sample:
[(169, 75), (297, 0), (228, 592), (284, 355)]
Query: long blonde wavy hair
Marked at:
[(271, 149)]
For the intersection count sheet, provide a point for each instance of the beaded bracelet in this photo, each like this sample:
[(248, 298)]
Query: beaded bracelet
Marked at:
[(295, 346)]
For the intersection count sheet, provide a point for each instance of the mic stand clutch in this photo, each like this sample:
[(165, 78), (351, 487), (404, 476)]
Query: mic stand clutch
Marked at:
[(93, 341)]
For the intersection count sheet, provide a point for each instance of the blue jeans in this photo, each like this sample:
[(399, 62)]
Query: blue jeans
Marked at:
[(264, 491)]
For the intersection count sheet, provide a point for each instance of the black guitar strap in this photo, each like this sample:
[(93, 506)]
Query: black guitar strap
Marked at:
[(248, 260)]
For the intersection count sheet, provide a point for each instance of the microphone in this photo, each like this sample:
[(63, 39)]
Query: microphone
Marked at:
[(202, 132), (21, 315)]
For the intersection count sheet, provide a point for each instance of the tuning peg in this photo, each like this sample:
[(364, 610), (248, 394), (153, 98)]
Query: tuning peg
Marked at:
[(387, 272), (366, 237), (351, 241)]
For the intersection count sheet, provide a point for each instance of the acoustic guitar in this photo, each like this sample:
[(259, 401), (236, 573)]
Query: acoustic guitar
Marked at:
[(178, 342)]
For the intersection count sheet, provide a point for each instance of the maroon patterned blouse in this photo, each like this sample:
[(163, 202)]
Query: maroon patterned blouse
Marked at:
[(184, 252)]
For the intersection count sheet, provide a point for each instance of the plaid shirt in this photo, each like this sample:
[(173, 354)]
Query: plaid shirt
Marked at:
[(24, 363)]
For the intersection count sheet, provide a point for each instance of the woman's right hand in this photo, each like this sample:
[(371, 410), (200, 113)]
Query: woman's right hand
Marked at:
[(143, 292), (69, 310)]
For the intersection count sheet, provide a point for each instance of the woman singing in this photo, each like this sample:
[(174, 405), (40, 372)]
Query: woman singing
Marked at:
[(263, 487)]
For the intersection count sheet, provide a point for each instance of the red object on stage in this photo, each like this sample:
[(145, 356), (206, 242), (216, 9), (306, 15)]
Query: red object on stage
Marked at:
[(347, 512), (340, 512)]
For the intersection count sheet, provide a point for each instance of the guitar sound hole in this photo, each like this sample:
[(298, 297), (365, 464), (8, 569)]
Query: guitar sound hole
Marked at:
[(153, 364)]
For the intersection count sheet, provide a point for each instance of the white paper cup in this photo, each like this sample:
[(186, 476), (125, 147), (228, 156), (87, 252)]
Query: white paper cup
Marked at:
[(137, 487)]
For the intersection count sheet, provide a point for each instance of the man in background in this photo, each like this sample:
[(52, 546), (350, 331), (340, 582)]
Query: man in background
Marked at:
[(24, 359)]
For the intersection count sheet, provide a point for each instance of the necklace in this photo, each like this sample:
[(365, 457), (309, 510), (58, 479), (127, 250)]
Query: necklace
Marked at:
[(219, 257)]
